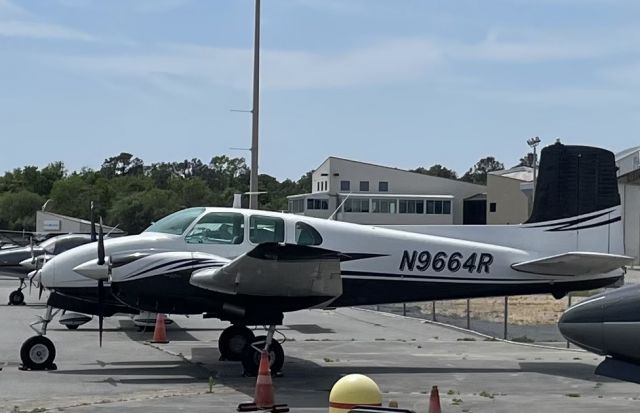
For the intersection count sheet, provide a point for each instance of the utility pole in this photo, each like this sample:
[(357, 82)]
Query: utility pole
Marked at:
[(534, 142), (253, 183)]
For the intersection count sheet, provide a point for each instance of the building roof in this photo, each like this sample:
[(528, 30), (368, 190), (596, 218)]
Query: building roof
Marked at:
[(521, 173), (379, 195), (623, 154), (78, 220), (394, 169)]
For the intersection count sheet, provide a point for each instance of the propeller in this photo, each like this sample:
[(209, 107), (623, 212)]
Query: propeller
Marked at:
[(102, 260)]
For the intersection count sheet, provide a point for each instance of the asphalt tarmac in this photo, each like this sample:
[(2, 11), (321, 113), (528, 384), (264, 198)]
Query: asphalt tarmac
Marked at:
[(404, 356)]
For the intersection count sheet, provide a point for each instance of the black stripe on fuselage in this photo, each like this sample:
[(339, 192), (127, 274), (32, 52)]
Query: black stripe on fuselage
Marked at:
[(572, 221), (597, 224)]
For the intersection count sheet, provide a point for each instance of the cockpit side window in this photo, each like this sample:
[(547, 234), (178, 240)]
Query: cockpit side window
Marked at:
[(176, 223), (266, 229), (218, 228), (307, 235), (63, 245)]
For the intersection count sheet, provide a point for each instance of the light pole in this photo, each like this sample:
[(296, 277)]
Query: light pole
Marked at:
[(253, 182), (533, 143)]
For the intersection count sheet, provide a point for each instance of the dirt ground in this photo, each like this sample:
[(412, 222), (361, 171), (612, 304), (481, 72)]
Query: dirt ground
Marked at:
[(523, 310)]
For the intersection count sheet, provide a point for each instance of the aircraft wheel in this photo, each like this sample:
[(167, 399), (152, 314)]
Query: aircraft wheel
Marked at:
[(559, 294), (38, 353), (251, 356), (72, 326), (16, 298), (233, 341)]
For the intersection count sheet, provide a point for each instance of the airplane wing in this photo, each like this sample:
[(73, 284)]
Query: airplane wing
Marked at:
[(574, 263), (278, 270)]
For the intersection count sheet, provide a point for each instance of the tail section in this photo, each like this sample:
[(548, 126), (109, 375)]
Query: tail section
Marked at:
[(574, 181), (577, 195)]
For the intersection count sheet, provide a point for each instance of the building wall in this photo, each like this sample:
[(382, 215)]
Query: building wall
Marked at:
[(53, 223), (400, 182), (512, 205)]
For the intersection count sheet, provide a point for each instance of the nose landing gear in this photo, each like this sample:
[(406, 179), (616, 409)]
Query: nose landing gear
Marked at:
[(38, 352)]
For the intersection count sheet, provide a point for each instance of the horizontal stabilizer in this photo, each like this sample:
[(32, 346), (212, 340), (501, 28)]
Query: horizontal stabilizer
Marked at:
[(574, 263), (276, 270)]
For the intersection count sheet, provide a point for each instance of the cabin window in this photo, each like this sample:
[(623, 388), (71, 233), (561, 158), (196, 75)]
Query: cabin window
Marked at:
[(218, 228), (176, 223), (307, 235), (266, 229)]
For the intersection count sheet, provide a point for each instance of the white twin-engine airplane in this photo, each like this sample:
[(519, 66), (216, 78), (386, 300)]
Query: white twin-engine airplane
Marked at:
[(250, 267)]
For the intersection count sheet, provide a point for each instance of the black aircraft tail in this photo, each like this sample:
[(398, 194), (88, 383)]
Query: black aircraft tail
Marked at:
[(574, 181)]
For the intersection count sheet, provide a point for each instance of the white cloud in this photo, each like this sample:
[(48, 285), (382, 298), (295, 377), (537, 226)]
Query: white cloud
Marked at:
[(30, 29)]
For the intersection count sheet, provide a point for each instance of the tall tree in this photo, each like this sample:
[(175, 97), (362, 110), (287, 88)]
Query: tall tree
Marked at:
[(478, 174), (437, 170)]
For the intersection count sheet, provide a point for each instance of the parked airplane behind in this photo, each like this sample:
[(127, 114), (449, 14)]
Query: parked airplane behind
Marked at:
[(607, 324), (213, 261), (19, 261)]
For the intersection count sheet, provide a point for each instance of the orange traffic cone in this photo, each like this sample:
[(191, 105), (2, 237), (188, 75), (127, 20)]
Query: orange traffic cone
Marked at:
[(264, 387), (434, 401), (160, 331)]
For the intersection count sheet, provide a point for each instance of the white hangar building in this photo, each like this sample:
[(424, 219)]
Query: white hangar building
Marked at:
[(628, 163), (381, 195)]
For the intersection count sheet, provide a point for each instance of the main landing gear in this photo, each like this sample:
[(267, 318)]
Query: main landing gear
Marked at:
[(238, 343), (17, 297), (38, 352)]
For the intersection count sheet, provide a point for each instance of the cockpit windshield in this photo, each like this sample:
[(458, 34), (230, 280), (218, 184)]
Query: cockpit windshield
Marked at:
[(176, 223), (48, 245)]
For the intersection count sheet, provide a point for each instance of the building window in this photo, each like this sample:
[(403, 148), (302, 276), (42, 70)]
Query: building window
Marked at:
[(411, 206), (266, 229), (383, 186), (317, 203), (356, 205), (318, 186), (364, 186), (326, 185), (492, 207), (438, 207), (296, 205), (345, 185), (383, 206)]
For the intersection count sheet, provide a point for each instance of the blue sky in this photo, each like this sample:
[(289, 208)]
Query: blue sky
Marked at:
[(403, 83)]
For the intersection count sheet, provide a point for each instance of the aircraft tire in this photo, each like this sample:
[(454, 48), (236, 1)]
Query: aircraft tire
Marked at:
[(233, 341), (16, 298), (38, 353), (251, 357), (72, 326)]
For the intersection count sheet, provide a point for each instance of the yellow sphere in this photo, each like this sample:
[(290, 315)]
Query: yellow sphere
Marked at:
[(353, 390)]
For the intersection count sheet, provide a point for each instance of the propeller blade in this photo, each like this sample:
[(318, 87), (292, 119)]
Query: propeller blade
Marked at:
[(33, 255), (40, 289), (100, 244), (93, 224), (100, 312)]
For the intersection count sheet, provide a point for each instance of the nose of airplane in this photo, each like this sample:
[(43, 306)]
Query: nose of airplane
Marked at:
[(582, 324), (48, 274)]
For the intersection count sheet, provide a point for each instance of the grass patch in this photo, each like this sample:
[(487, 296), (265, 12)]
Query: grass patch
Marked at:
[(523, 339), (486, 394), (456, 402), (572, 395)]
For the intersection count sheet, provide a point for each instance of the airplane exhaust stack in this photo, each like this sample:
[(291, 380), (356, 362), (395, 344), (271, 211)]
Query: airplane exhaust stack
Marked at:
[(434, 401), (160, 331)]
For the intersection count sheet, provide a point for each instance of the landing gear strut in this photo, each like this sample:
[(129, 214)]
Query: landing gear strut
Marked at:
[(17, 297), (251, 354), (38, 352)]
